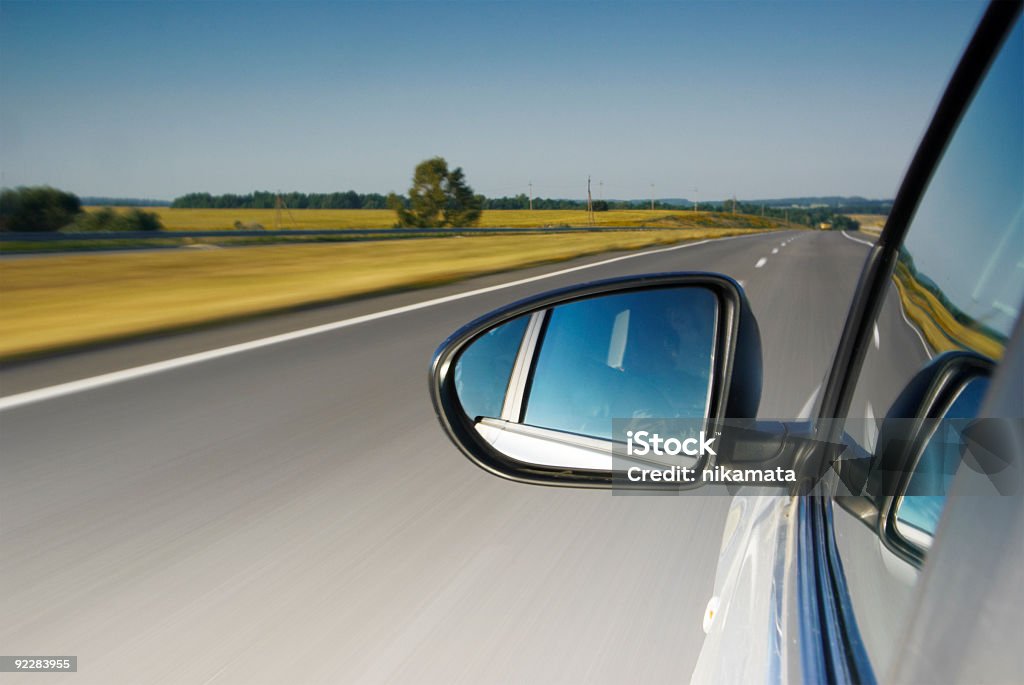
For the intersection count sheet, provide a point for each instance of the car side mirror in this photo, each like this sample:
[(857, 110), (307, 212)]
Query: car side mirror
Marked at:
[(920, 447), (538, 391)]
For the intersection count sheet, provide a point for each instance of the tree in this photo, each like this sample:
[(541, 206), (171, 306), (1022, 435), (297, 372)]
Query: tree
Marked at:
[(37, 209), (438, 198), (462, 207), (107, 219)]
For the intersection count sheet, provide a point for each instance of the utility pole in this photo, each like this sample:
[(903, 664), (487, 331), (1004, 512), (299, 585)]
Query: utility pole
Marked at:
[(280, 204), (652, 197), (590, 204), (600, 190), (696, 204), (531, 195)]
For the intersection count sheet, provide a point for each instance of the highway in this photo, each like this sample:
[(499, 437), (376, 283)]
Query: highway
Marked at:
[(290, 511)]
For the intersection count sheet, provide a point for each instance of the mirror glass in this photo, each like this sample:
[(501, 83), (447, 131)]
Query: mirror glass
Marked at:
[(545, 387), (919, 508)]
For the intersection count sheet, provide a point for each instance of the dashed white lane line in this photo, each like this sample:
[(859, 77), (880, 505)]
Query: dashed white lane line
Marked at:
[(743, 284), (761, 262), (775, 250), (878, 340), (856, 240), (84, 384)]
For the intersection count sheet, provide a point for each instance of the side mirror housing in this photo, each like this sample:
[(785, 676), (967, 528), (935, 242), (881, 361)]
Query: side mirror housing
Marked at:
[(920, 446), (539, 391)]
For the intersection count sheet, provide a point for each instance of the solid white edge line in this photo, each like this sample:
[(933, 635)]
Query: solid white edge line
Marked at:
[(899, 301), (924, 343), (856, 240), (84, 384), (878, 338)]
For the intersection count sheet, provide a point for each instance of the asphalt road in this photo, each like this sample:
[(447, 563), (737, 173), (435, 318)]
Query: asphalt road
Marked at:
[(293, 513)]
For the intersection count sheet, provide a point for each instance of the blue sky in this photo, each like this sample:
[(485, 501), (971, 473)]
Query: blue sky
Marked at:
[(765, 99)]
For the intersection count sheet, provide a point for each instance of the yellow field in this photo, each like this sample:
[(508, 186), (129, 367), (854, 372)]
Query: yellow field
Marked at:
[(54, 302), (224, 219), (870, 222), (938, 325)]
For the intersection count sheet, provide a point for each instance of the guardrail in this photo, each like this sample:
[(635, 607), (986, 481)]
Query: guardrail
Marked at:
[(340, 232)]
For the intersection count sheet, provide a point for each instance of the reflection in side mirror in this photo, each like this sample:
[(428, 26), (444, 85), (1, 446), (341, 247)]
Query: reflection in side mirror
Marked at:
[(900, 489), (535, 391), (644, 354), (917, 509)]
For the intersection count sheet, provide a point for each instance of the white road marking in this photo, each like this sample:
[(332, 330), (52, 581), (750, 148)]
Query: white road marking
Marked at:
[(856, 240), (775, 250), (761, 262), (805, 411), (903, 313), (743, 284), (84, 384), (877, 337)]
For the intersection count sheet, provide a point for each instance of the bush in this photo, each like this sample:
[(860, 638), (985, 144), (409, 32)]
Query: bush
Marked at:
[(239, 226), (37, 209), (106, 219)]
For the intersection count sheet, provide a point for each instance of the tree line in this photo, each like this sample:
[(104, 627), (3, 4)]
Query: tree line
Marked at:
[(263, 199), (811, 217), (522, 201), (350, 199)]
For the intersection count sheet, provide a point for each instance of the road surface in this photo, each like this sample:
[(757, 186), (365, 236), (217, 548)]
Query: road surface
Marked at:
[(291, 512)]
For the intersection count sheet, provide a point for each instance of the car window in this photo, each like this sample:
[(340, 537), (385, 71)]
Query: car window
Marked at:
[(637, 355), (958, 285)]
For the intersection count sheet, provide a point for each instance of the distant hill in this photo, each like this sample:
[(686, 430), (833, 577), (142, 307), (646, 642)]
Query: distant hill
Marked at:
[(123, 202), (853, 204)]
